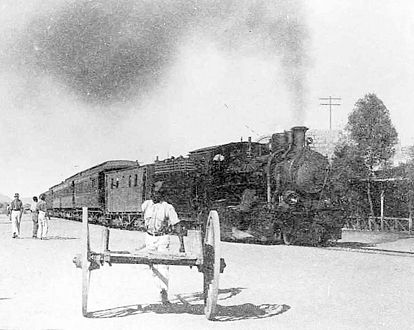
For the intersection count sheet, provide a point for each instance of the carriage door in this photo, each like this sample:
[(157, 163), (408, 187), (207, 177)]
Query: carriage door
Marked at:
[(72, 191), (101, 191)]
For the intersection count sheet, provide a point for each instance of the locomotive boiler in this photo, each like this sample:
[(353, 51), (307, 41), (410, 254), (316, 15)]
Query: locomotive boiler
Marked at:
[(298, 190)]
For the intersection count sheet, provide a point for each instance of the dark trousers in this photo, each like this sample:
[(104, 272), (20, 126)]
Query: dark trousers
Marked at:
[(35, 223)]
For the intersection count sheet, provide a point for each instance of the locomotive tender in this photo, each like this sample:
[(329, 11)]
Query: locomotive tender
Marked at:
[(264, 192)]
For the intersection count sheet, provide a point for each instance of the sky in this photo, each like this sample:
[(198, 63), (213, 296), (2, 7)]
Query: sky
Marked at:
[(83, 82)]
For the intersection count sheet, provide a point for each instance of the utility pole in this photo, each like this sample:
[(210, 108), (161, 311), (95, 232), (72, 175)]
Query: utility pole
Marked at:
[(330, 99)]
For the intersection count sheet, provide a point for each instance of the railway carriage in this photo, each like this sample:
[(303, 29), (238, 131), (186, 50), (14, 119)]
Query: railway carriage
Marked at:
[(86, 188), (125, 190), (62, 197)]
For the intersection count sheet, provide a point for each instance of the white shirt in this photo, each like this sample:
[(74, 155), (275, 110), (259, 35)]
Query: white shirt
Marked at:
[(158, 216), (33, 206)]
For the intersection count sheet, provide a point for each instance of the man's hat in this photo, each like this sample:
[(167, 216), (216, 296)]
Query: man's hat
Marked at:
[(16, 195), (158, 186)]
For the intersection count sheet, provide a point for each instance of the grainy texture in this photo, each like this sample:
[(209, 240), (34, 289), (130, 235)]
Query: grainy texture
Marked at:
[(263, 287)]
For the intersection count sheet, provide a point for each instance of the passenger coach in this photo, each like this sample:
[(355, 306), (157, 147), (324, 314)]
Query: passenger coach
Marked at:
[(86, 188)]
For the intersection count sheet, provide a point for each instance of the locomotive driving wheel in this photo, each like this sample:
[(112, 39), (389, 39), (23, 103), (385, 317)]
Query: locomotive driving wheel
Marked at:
[(211, 264)]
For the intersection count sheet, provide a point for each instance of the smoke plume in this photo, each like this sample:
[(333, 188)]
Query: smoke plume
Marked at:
[(119, 50)]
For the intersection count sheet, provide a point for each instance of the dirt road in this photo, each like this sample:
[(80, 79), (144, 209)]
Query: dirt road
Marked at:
[(263, 287)]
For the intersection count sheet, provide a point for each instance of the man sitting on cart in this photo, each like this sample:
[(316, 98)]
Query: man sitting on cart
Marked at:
[(159, 217)]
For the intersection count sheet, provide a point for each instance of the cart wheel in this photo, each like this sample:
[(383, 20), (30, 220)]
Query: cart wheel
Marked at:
[(86, 273), (211, 264)]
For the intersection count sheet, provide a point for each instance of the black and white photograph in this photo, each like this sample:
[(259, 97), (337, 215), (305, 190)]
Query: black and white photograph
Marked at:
[(206, 164)]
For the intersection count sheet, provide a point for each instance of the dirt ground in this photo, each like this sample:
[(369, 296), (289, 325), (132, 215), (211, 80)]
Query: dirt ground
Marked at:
[(263, 287)]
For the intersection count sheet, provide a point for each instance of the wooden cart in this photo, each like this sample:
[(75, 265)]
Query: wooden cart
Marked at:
[(207, 260)]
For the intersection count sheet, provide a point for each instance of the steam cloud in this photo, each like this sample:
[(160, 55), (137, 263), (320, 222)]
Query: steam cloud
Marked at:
[(109, 51)]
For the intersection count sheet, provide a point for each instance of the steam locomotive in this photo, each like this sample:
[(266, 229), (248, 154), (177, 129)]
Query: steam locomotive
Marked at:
[(264, 192)]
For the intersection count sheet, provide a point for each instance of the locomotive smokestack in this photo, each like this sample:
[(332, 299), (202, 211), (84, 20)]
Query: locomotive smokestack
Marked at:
[(299, 137)]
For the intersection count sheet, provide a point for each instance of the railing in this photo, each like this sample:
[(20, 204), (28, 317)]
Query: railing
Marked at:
[(356, 223), (380, 224), (174, 165), (390, 224)]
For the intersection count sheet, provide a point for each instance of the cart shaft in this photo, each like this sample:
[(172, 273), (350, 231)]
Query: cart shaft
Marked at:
[(147, 259)]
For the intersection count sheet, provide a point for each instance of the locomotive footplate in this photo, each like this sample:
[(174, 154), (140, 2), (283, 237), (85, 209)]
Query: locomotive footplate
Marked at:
[(206, 259)]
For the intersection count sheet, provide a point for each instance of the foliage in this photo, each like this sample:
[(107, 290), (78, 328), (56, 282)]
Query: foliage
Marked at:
[(346, 169), (409, 166), (369, 144), (371, 129)]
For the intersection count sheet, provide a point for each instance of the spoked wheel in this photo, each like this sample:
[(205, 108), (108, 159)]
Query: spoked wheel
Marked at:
[(86, 273), (211, 264)]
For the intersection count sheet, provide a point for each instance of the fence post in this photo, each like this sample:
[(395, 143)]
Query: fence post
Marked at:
[(105, 239), (382, 210), (410, 211), (85, 230)]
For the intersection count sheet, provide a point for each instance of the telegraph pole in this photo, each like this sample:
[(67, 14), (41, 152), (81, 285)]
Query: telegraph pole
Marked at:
[(330, 99)]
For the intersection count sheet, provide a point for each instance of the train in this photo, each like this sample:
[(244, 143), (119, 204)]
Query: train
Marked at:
[(268, 192)]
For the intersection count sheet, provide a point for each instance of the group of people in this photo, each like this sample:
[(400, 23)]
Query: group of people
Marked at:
[(39, 218), (160, 219)]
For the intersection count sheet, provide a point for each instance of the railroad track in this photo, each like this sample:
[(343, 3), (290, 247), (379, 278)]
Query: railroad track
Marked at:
[(358, 249), (371, 251)]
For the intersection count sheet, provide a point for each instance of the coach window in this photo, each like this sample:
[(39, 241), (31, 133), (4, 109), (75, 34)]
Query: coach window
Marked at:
[(117, 183), (136, 180), (112, 183), (129, 181)]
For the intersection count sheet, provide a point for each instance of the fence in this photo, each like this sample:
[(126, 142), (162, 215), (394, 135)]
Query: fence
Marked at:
[(380, 224), (383, 223)]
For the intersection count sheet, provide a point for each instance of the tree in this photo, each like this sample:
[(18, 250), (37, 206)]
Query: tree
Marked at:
[(409, 166), (347, 168), (370, 127)]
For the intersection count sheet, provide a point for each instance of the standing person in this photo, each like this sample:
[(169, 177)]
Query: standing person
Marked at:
[(159, 217), (43, 222), (16, 209), (8, 211), (33, 209)]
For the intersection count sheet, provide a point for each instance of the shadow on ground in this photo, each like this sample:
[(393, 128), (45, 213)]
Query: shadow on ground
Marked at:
[(59, 238), (190, 304), (352, 245)]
